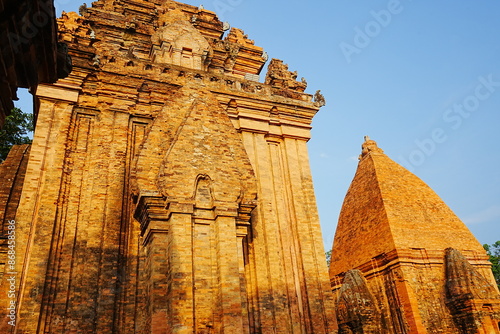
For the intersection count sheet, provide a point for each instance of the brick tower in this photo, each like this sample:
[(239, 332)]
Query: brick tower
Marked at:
[(403, 262), (167, 189)]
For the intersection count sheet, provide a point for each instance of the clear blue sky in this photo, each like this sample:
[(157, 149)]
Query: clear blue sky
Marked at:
[(421, 78)]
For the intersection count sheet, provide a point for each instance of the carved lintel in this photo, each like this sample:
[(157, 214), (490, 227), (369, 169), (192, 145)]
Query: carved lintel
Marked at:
[(179, 207)]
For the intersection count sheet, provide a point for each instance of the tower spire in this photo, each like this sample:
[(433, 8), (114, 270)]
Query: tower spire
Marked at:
[(368, 147)]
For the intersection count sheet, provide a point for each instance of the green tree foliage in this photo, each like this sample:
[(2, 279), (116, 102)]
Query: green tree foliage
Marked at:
[(328, 257), (494, 253), (15, 131)]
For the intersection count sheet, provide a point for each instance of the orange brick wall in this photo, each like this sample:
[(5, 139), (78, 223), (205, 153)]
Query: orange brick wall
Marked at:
[(169, 197)]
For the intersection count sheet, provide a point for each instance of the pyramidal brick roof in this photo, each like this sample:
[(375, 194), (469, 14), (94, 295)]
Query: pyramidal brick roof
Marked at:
[(388, 208)]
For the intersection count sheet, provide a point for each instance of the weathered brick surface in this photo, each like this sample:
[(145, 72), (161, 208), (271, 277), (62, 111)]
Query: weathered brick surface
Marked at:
[(473, 300), (12, 173), (357, 309), (395, 230), (167, 191)]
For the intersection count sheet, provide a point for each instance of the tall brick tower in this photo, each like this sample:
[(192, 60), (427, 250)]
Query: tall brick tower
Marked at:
[(167, 189), (403, 262)]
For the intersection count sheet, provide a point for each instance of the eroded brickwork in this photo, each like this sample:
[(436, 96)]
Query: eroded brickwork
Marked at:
[(472, 299), (395, 231), (12, 173), (168, 190)]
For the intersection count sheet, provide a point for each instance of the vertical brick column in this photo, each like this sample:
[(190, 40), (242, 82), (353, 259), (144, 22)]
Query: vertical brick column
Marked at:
[(229, 290), (168, 266), (180, 302), (36, 214)]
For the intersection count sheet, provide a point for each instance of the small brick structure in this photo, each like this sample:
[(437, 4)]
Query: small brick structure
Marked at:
[(417, 266)]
